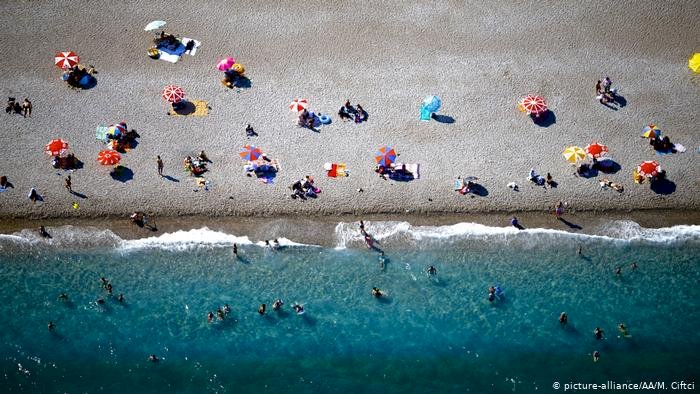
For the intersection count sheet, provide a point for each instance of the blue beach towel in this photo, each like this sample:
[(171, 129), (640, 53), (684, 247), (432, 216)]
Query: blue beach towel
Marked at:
[(177, 51)]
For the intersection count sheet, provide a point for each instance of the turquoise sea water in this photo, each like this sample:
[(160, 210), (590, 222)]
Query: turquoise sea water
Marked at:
[(427, 335)]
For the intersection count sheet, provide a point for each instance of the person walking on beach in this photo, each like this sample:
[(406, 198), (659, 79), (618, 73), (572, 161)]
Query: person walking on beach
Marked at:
[(69, 185), (159, 162), (559, 210), (27, 108)]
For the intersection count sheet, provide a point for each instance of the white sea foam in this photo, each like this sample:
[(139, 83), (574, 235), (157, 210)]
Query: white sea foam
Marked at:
[(617, 231)]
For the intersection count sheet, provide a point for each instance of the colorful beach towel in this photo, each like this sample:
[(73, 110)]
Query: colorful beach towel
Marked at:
[(101, 133), (335, 170)]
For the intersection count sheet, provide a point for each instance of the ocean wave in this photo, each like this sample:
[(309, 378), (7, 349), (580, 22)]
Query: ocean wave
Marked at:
[(398, 232), (61, 237)]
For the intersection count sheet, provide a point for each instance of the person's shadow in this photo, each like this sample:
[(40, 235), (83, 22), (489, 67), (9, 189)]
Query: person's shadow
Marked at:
[(171, 179), (545, 120), (571, 225), (479, 190), (619, 100), (78, 194)]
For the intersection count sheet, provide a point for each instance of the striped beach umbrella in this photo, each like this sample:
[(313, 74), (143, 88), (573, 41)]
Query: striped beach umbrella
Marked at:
[(298, 105), (694, 62), (250, 153), (108, 157), (596, 150), (66, 59), (225, 64), (173, 94), (649, 168), (385, 156), (651, 131), (533, 105), (574, 154), (56, 147), (238, 68)]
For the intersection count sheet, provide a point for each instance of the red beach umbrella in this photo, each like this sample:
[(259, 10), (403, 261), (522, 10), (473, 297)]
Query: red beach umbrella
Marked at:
[(66, 59), (173, 94), (649, 168), (108, 157), (596, 150), (56, 147), (250, 153), (534, 105), (385, 156), (298, 105)]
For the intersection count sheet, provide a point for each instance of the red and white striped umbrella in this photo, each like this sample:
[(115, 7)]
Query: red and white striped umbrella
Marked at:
[(534, 105), (56, 147), (66, 59), (298, 105), (108, 157), (596, 150), (173, 93), (649, 168)]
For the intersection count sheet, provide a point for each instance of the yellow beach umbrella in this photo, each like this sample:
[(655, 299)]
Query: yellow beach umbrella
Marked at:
[(574, 154), (694, 62)]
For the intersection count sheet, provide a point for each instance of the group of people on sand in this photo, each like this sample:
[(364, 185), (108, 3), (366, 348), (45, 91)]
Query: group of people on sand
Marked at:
[(304, 188), (14, 106), (348, 112), (196, 166), (75, 75)]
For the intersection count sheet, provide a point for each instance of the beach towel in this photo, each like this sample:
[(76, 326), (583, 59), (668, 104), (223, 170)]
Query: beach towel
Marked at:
[(202, 183), (168, 57), (191, 52), (335, 170), (679, 148), (196, 108), (101, 133), (176, 50), (413, 169)]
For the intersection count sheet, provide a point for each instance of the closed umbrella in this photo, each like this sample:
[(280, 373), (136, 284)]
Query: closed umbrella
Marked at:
[(385, 156), (596, 150), (574, 154), (173, 94), (66, 59), (56, 147), (533, 105), (108, 157), (225, 64), (298, 105), (649, 168), (250, 153)]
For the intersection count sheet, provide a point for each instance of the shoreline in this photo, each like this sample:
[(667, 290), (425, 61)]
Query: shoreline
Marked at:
[(320, 230)]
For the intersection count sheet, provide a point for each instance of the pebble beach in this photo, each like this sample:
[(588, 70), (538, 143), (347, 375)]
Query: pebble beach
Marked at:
[(479, 58)]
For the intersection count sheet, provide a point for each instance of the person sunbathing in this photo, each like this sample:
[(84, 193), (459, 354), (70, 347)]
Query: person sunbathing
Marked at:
[(605, 182)]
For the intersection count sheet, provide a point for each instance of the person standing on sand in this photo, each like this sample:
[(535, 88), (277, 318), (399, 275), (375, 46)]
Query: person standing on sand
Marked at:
[(159, 162), (559, 210), (607, 83), (27, 107), (69, 185), (598, 89)]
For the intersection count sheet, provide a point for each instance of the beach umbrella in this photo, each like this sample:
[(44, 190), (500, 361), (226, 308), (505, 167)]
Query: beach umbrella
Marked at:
[(225, 64), (649, 168), (596, 150), (574, 154), (117, 129), (385, 156), (108, 157), (298, 105), (651, 131), (694, 62), (238, 68), (250, 153), (432, 103), (533, 105), (56, 147), (154, 25), (173, 94), (66, 59)]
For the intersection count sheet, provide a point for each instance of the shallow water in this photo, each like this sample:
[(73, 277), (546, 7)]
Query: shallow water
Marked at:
[(427, 335)]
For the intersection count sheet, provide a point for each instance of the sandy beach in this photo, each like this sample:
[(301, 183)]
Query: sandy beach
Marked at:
[(479, 58)]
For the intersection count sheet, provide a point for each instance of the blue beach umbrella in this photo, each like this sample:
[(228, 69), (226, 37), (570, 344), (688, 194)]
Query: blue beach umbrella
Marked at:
[(432, 103)]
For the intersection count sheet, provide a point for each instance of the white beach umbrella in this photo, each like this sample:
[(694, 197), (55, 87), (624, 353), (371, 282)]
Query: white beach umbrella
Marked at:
[(154, 25)]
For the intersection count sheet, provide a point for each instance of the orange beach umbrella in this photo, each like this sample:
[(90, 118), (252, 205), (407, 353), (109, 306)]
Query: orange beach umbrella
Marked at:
[(108, 157)]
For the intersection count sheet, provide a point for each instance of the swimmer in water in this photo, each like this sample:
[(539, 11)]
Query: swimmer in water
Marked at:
[(563, 319), (492, 293), (634, 266), (153, 358), (277, 243), (261, 309), (220, 314), (210, 317), (121, 298), (382, 260), (104, 282), (51, 326), (579, 250), (109, 288), (598, 333), (235, 249), (376, 292), (63, 296), (368, 240), (618, 271), (299, 309), (596, 356), (623, 330), (100, 301), (277, 304), (431, 271), (227, 309)]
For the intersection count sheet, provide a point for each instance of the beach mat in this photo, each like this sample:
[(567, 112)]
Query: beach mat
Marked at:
[(193, 108)]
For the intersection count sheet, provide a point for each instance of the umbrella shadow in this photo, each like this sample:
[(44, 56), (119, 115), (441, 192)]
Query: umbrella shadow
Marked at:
[(608, 166), (443, 118), (88, 82), (241, 82), (571, 225), (171, 179), (479, 190), (184, 108), (663, 186), (122, 174), (545, 120)]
